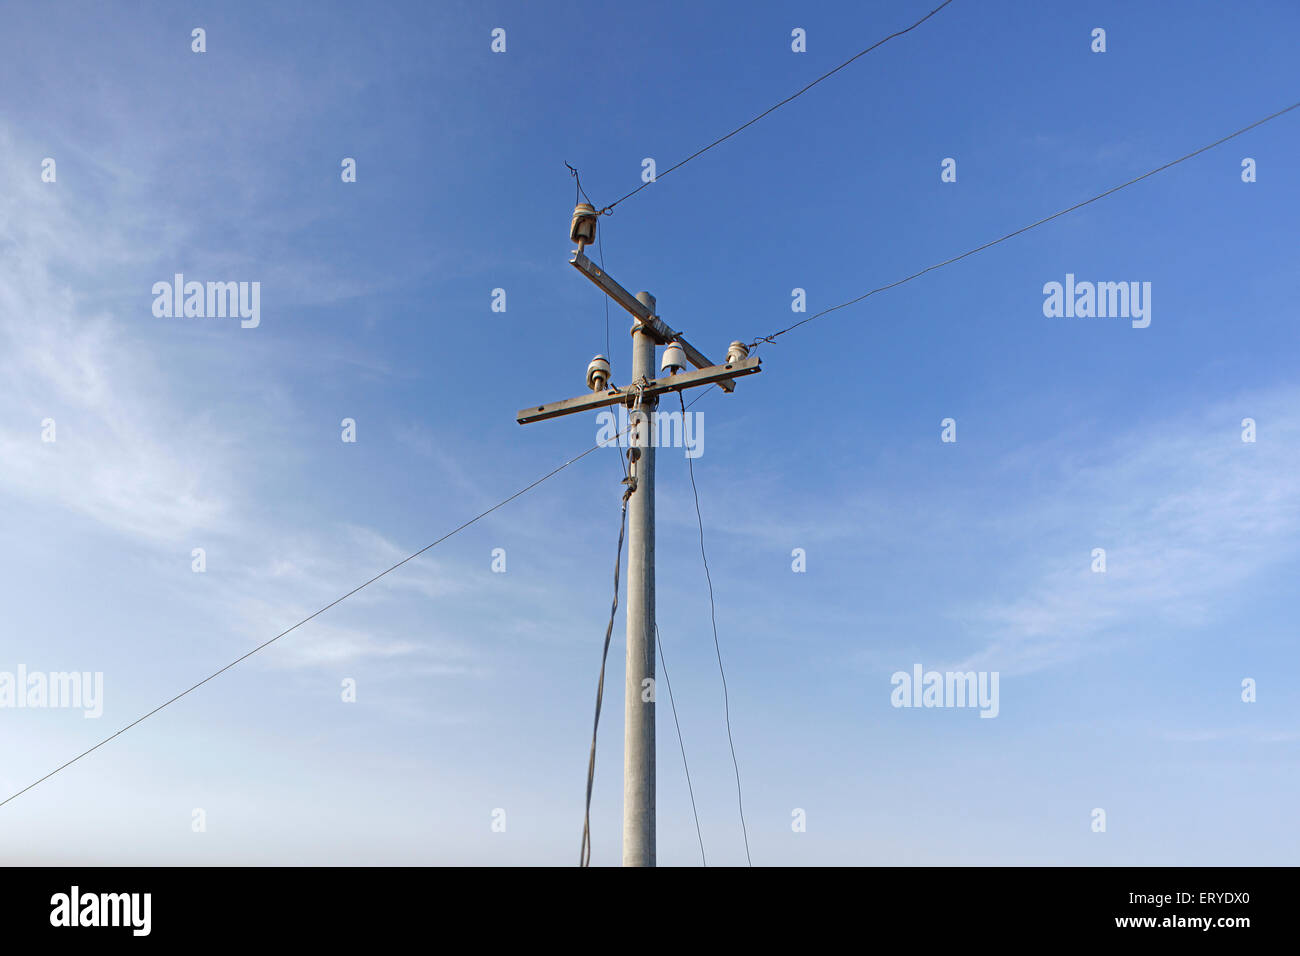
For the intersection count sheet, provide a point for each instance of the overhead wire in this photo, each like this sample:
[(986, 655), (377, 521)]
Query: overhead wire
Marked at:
[(600, 248), (1034, 225), (309, 617), (898, 33)]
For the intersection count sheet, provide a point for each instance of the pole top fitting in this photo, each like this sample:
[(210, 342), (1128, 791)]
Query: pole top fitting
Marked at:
[(646, 299), (637, 324)]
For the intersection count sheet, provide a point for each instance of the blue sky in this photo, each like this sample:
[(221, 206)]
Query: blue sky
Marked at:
[(1119, 691)]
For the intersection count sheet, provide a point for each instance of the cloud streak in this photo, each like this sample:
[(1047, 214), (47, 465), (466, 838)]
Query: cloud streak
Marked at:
[(1188, 513)]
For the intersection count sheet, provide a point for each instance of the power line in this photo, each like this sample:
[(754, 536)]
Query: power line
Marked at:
[(584, 855), (1035, 225), (340, 600), (600, 246), (680, 743), (713, 615), (765, 112), (578, 191)]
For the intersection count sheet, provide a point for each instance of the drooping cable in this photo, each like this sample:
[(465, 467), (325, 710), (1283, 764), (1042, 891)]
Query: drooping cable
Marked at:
[(681, 743), (713, 616), (584, 855)]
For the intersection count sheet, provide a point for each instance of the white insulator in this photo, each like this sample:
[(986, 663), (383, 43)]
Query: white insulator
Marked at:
[(674, 359), (737, 351), (598, 373)]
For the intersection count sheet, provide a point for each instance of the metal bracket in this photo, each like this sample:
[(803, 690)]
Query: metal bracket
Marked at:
[(713, 375), (648, 321)]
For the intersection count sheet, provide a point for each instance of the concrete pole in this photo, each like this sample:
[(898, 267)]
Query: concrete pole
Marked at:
[(639, 715)]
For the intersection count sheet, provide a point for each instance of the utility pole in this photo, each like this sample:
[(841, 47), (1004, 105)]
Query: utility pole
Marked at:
[(641, 397), (639, 715)]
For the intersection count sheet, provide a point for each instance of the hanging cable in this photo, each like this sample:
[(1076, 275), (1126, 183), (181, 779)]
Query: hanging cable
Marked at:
[(713, 616), (680, 743), (584, 856), (578, 192)]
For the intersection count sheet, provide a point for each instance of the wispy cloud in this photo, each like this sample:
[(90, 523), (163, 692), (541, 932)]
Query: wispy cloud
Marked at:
[(140, 455), (124, 454), (1186, 511), (296, 576)]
